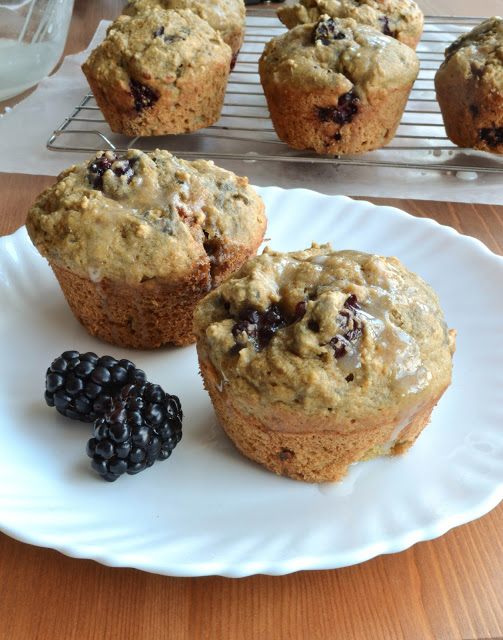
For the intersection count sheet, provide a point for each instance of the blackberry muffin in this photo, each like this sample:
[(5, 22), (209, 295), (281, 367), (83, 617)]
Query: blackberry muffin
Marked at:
[(226, 16), (400, 19), (336, 86), (150, 74), (469, 87), (136, 241), (317, 359)]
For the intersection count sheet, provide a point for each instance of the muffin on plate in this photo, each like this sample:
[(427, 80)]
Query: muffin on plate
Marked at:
[(469, 87), (400, 19), (226, 16), (317, 359), (136, 241), (150, 74), (336, 86)]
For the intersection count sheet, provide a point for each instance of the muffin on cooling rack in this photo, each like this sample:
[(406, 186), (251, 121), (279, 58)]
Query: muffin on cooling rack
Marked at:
[(336, 86), (150, 76), (226, 16), (318, 359), (136, 241), (469, 87), (401, 19)]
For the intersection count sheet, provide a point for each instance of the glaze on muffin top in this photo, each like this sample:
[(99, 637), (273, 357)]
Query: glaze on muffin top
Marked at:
[(144, 215), (400, 19), (321, 331), (341, 55)]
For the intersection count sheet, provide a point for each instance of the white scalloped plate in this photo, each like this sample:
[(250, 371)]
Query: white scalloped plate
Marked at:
[(207, 510)]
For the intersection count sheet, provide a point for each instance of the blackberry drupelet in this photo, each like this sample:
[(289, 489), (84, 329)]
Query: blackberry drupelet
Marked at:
[(326, 31), (259, 326), (346, 109), (143, 95), (120, 165), (81, 386), (351, 325), (143, 425)]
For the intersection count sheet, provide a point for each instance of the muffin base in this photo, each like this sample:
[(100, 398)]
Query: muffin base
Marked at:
[(412, 39), (142, 316), (189, 104), (315, 456), (154, 312), (302, 120)]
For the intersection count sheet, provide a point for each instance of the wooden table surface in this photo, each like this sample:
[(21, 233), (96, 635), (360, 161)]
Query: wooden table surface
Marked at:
[(450, 588)]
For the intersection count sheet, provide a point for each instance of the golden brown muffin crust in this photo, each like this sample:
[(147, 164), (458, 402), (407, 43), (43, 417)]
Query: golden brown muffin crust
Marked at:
[(469, 87), (400, 19), (144, 215), (149, 75), (136, 241), (336, 87), (226, 16)]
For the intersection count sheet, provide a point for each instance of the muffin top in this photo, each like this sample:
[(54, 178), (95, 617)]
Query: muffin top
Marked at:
[(326, 333), (400, 19), (479, 53), (226, 16), (339, 55), (152, 51), (144, 215)]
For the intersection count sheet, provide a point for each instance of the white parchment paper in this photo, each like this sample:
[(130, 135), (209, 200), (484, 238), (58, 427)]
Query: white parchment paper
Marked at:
[(25, 129)]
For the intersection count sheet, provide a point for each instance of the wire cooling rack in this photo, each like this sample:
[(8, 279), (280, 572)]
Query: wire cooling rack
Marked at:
[(245, 131)]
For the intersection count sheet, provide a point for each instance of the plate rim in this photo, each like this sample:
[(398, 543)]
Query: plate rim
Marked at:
[(283, 567)]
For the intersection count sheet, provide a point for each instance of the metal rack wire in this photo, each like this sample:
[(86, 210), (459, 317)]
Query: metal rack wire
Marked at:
[(245, 131)]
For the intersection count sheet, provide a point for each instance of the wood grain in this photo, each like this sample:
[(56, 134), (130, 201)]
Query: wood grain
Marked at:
[(446, 589)]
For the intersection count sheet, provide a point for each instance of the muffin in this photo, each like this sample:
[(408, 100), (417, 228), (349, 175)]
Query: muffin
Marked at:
[(136, 241), (150, 74), (336, 87), (400, 19), (226, 16), (469, 87), (317, 359)]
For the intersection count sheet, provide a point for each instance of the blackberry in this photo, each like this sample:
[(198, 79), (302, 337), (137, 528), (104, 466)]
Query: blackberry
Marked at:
[(143, 425), (385, 27), (143, 95), (326, 31), (81, 386), (260, 326), (346, 109), (270, 322), (340, 345), (351, 325), (300, 309), (159, 33), (491, 136), (120, 165)]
